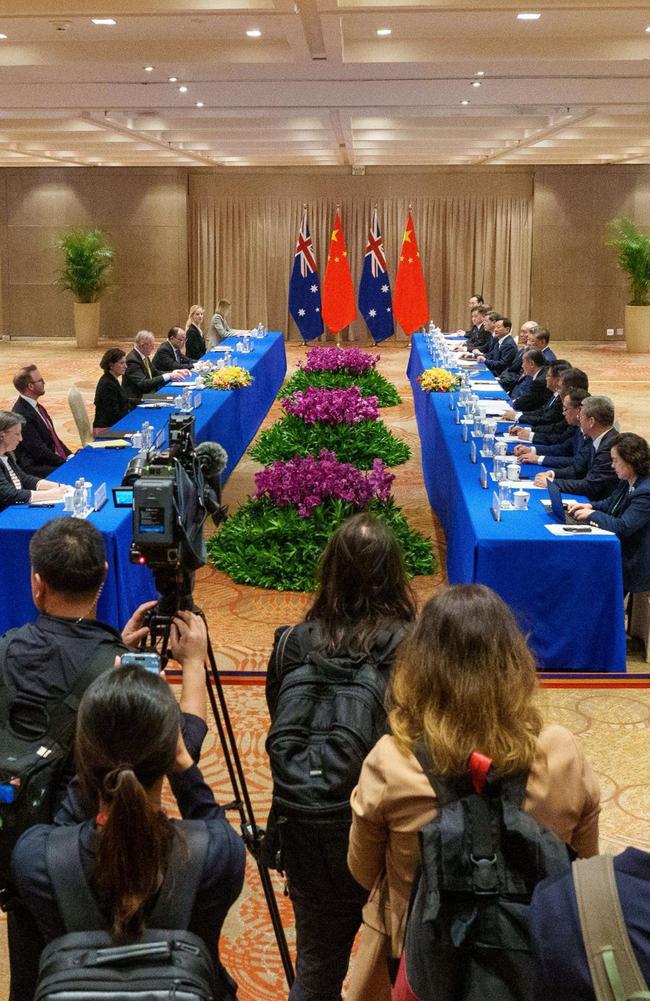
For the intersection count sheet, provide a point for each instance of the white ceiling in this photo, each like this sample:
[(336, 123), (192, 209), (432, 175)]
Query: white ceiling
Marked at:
[(319, 88)]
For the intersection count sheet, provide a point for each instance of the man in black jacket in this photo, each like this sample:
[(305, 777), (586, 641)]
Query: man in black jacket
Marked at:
[(504, 349), (141, 374), (530, 391), (41, 450), (169, 355), (592, 474)]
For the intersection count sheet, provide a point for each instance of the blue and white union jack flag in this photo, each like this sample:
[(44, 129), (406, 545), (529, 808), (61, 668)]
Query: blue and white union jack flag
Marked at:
[(304, 286), (375, 301)]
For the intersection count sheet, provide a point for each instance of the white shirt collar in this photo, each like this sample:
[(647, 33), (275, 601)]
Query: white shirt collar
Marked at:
[(28, 399), (596, 441)]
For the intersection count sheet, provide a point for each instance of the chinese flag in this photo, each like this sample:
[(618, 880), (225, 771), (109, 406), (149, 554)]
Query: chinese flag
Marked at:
[(410, 306), (338, 302)]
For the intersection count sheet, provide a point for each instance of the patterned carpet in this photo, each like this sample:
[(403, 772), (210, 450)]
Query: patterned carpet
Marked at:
[(613, 725)]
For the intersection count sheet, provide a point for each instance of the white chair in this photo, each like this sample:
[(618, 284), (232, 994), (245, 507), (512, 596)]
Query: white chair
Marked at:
[(640, 619), (78, 410)]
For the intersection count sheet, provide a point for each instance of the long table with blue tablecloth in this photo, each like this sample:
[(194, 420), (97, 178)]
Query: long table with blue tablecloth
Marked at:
[(567, 593), (230, 417)]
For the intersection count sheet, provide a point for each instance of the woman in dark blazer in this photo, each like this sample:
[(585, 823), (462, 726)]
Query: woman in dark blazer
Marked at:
[(627, 509), (194, 340), (111, 402)]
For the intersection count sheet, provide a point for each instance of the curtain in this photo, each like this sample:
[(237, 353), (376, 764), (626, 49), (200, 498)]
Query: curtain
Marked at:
[(242, 243)]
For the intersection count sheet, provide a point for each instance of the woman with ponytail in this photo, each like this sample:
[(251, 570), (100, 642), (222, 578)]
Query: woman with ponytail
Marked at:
[(131, 733)]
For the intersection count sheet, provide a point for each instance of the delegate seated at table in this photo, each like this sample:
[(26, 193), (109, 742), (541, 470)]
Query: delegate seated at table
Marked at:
[(627, 510), (194, 339), (219, 327), (169, 357), (141, 375), (566, 452), (17, 486), (41, 450), (592, 474), (111, 402), (530, 389), (504, 349)]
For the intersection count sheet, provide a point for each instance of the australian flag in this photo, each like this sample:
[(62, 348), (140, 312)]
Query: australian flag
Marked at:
[(375, 303), (304, 286)]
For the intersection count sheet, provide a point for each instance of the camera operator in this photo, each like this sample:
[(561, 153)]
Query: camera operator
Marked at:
[(131, 733)]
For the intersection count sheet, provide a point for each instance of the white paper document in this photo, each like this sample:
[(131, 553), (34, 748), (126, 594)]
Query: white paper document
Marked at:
[(568, 531)]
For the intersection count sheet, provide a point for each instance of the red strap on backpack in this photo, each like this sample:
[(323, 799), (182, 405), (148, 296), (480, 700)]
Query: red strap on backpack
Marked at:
[(479, 766)]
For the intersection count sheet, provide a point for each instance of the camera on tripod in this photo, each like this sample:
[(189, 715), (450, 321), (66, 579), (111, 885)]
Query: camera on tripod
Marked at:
[(174, 491)]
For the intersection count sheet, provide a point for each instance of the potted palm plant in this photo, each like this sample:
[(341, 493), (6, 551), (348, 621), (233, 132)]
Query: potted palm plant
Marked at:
[(633, 250), (87, 257)]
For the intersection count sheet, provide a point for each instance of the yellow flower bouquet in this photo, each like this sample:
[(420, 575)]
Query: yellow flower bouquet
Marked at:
[(229, 377), (439, 380)]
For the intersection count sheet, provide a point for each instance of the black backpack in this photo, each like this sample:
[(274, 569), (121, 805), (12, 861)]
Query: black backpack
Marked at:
[(36, 739), (167, 962), (329, 714), (480, 860)]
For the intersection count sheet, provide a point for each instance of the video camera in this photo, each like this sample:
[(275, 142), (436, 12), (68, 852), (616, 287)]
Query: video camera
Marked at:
[(174, 491)]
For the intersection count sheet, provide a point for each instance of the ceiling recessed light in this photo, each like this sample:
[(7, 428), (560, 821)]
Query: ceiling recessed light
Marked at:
[(183, 89), (148, 69), (476, 83), (104, 20), (199, 104), (465, 102), (480, 73), (254, 33), (384, 31), (172, 79), (528, 16)]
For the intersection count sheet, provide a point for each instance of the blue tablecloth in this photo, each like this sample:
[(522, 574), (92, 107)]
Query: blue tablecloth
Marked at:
[(229, 417), (567, 593)]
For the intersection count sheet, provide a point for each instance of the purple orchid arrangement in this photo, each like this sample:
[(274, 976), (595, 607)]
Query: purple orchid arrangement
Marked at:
[(352, 360), (333, 406), (306, 482)]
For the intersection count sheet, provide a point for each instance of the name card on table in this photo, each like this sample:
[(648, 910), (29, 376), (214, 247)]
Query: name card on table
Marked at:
[(99, 497), (472, 451), (495, 507), (198, 400), (457, 417), (452, 402), (484, 476), (465, 432)]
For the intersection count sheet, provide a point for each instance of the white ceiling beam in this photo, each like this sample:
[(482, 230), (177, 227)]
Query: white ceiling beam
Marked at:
[(534, 137), (110, 125)]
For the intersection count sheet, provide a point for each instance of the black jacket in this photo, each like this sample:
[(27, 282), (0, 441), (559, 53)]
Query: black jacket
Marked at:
[(136, 380), (111, 402), (593, 474), (36, 454), (10, 494), (530, 394), (165, 360), (502, 354), (195, 342)]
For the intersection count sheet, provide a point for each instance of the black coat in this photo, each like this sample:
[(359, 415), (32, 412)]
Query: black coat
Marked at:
[(111, 402), (10, 494), (195, 342), (593, 474), (36, 454), (136, 380), (502, 354), (165, 360)]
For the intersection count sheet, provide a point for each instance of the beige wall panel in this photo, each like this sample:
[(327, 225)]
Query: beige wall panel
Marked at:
[(144, 212)]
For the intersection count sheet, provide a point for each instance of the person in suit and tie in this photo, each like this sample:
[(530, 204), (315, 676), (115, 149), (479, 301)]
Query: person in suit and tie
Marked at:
[(169, 357), (503, 351), (592, 474), (530, 390), (111, 402), (194, 340), (41, 450), (627, 510), (551, 412), (141, 375), (509, 377), (17, 486), (565, 452), (540, 340)]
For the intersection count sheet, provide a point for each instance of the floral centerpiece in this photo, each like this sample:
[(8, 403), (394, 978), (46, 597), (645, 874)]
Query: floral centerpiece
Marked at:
[(439, 380), (341, 421), (340, 368), (275, 540), (229, 377)]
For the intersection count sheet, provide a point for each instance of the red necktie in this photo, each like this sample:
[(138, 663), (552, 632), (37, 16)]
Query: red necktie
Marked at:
[(56, 441)]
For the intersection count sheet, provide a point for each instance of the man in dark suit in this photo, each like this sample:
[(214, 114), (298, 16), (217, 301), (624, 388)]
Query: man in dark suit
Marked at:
[(169, 355), (564, 452), (551, 412), (141, 375), (503, 351), (41, 450), (524, 341), (530, 391), (592, 473), (540, 340)]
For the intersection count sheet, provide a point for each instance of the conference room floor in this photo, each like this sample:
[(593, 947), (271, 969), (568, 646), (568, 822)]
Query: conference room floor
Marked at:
[(613, 724)]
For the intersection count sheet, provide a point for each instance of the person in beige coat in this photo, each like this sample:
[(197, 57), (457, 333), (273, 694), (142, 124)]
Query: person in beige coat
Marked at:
[(465, 681)]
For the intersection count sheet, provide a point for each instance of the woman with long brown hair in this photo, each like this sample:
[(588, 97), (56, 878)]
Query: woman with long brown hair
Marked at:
[(464, 681), (128, 739), (361, 612)]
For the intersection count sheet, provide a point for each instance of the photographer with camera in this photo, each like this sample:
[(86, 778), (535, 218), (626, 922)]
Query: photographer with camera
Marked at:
[(131, 733)]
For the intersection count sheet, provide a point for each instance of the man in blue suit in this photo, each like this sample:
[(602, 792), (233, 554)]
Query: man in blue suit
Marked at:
[(592, 474), (563, 453), (530, 390), (540, 341), (504, 350)]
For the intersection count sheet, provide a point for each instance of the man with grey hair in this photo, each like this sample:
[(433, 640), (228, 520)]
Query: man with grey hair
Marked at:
[(141, 374), (592, 474)]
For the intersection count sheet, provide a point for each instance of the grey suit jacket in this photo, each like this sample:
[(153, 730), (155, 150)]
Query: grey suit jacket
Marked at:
[(219, 330)]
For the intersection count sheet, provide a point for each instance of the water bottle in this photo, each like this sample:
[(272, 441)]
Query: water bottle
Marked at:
[(432, 327), (186, 400), (78, 499), (247, 343), (260, 330)]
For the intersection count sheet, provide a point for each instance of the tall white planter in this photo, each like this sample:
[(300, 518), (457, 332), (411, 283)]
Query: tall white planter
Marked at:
[(86, 324)]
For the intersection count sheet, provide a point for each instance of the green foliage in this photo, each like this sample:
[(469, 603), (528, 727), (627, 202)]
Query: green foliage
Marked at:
[(275, 548), (87, 258), (633, 250), (359, 444), (370, 383)]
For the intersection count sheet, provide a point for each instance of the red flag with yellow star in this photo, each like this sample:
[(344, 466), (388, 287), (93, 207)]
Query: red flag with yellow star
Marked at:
[(410, 305), (338, 304)]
